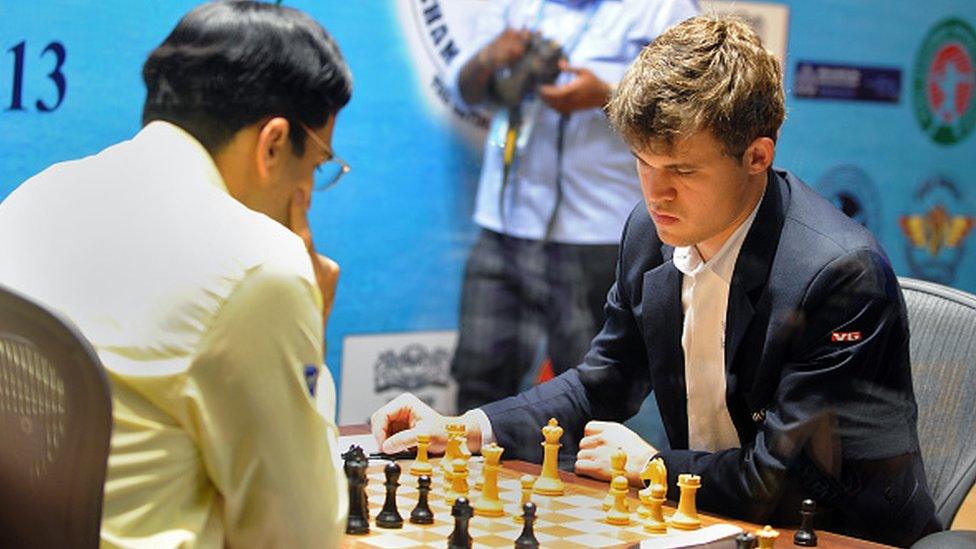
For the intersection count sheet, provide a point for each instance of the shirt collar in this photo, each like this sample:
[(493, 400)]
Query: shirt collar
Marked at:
[(689, 261), (183, 153)]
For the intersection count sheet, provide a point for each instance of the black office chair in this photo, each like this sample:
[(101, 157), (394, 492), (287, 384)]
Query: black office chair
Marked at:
[(943, 352), (55, 424)]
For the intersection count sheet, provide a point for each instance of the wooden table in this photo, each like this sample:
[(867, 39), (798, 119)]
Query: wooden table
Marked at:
[(576, 485)]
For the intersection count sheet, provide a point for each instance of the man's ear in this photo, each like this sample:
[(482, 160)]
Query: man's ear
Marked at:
[(759, 155), (272, 145)]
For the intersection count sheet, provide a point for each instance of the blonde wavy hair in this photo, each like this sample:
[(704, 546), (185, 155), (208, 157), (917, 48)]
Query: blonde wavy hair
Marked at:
[(705, 73)]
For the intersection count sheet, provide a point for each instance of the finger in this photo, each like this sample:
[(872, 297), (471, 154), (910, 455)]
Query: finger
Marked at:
[(594, 427), (591, 441), (548, 91), (377, 426), (588, 468), (572, 69), (399, 442), (587, 455)]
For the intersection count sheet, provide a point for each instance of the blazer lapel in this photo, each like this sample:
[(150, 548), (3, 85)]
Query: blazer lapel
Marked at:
[(662, 318), (752, 266)]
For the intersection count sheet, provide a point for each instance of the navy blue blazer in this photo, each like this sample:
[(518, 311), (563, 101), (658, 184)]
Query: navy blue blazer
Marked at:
[(818, 382)]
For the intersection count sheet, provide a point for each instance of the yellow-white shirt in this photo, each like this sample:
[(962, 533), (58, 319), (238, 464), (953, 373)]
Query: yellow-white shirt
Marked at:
[(207, 317)]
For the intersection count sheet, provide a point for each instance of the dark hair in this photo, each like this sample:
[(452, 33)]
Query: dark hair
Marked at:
[(227, 65)]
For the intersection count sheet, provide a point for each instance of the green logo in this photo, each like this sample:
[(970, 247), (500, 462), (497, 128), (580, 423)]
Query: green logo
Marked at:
[(944, 82)]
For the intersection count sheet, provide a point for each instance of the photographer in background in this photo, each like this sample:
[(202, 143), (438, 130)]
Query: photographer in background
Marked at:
[(556, 183)]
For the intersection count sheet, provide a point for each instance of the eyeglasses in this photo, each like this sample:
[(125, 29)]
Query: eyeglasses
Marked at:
[(329, 172)]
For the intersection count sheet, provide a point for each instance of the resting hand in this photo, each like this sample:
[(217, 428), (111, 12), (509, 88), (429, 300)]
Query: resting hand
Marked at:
[(586, 91), (396, 426), (326, 270), (600, 440)]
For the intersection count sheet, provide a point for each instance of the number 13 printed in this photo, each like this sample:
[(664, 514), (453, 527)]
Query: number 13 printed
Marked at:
[(56, 76)]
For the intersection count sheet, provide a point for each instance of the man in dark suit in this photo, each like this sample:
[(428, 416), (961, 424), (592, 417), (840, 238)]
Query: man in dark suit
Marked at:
[(769, 325)]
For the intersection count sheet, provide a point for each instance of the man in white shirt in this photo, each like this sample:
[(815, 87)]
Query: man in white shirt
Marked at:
[(184, 256), (551, 211), (770, 326)]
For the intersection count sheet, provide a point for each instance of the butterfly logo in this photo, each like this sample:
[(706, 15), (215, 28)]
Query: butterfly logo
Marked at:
[(936, 229)]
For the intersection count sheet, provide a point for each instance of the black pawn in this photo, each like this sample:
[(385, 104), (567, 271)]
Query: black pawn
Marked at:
[(805, 536), (389, 516), (354, 465), (422, 514), (745, 540), (526, 539), (460, 538)]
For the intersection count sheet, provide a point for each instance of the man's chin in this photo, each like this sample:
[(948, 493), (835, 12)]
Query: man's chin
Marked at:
[(671, 239)]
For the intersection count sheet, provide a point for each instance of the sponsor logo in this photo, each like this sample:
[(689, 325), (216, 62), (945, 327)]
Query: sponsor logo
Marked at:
[(851, 190), (944, 82), (841, 337), (846, 82), (936, 233), (378, 367), (411, 368)]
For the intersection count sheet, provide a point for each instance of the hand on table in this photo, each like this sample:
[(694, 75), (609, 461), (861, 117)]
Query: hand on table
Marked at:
[(586, 91), (397, 424), (602, 438), (326, 270)]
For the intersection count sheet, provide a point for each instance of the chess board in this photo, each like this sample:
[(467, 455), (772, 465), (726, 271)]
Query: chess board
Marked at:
[(575, 519)]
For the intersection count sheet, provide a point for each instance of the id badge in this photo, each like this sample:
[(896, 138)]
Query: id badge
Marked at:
[(499, 125)]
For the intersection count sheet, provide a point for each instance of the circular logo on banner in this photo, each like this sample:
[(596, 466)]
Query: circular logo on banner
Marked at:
[(852, 191), (944, 82), (936, 232), (438, 33)]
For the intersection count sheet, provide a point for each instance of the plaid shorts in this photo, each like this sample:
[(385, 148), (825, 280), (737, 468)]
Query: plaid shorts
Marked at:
[(522, 301)]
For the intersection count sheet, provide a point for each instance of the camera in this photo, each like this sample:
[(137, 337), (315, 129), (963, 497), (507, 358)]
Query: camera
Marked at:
[(539, 65)]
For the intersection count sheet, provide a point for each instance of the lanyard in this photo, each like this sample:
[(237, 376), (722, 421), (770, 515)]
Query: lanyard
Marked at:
[(578, 35)]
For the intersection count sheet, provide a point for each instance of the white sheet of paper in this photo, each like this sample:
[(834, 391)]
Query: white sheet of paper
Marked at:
[(716, 536), (366, 442)]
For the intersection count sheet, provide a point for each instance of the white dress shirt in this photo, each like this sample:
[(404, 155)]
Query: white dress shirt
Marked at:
[(208, 320), (704, 301)]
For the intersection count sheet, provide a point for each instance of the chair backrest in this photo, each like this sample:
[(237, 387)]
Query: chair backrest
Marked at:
[(942, 321), (55, 425)]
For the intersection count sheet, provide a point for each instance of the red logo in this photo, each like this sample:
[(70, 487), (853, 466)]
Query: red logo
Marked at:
[(836, 337)]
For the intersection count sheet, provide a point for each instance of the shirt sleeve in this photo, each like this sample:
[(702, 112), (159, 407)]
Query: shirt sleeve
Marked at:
[(489, 24), (271, 454)]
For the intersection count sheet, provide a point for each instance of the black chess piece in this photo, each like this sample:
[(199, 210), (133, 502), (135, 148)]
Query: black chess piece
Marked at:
[(745, 540), (389, 516), (422, 514), (805, 536), (354, 465), (460, 538), (526, 539)]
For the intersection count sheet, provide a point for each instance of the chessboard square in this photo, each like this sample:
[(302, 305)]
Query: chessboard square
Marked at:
[(586, 513), (423, 535), (559, 531), (582, 501), (443, 529), (391, 541), (495, 525), (592, 540), (592, 526), (564, 519), (493, 540), (630, 535)]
